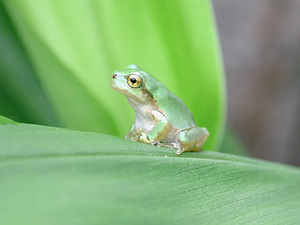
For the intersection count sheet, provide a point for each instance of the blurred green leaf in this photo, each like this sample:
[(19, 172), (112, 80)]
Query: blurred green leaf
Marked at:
[(21, 96), (4, 120), (232, 144), (76, 44), (56, 176)]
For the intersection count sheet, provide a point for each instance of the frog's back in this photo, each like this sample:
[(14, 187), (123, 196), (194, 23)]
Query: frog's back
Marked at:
[(173, 107)]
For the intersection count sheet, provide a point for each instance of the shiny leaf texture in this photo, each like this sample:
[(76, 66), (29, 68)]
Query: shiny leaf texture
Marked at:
[(57, 176), (75, 45)]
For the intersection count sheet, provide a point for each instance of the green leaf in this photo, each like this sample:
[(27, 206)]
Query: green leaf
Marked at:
[(21, 97), (76, 44), (4, 120), (57, 176)]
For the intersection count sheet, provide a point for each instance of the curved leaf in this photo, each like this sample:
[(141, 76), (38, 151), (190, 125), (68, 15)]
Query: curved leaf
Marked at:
[(4, 120), (21, 97), (76, 44), (56, 176)]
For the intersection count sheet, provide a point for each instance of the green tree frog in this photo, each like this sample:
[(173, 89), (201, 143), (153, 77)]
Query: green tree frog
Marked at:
[(161, 118)]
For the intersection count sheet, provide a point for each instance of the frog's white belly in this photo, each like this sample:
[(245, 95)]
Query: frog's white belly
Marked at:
[(144, 121)]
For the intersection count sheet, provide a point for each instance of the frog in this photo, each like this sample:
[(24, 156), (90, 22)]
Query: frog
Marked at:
[(161, 118)]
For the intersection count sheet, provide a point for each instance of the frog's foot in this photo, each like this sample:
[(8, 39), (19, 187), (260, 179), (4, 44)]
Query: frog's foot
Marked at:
[(175, 145), (157, 143), (162, 144), (179, 151), (170, 145), (191, 139), (144, 138), (133, 135)]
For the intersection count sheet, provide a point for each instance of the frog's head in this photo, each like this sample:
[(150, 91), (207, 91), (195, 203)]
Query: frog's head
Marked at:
[(131, 83)]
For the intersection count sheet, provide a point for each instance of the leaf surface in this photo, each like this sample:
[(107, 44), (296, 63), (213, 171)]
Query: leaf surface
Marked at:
[(57, 176)]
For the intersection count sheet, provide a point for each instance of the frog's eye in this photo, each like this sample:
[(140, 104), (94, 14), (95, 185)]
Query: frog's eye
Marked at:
[(134, 81)]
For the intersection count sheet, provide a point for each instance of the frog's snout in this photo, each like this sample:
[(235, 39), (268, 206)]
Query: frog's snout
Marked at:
[(114, 81)]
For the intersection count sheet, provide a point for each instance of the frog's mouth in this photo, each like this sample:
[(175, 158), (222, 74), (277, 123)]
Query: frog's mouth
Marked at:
[(119, 90), (114, 86), (127, 94)]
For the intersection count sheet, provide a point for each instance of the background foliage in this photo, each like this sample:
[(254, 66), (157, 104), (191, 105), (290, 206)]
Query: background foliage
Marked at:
[(73, 49), (261, 48)]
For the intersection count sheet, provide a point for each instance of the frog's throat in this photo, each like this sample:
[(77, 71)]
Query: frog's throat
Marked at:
[(137, 103), (144, 97)]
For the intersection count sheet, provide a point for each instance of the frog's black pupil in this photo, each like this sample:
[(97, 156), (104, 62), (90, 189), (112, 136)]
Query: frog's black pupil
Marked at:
[(133, 80)]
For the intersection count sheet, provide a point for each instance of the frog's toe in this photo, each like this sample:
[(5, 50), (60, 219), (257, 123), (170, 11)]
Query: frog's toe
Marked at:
[(175, 145), (178, 147), (132, 136), (179, 151), (144, 138), (156, 143)]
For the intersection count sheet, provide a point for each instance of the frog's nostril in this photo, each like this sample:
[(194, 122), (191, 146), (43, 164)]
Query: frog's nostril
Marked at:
[(114, 76)]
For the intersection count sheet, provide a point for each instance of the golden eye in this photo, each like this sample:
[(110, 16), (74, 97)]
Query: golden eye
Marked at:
[(134, 81)]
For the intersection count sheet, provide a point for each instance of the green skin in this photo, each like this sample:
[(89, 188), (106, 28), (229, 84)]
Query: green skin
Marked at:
[(161, 118)]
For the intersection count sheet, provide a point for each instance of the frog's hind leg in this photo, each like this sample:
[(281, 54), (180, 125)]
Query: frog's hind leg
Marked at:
[(191, 139)]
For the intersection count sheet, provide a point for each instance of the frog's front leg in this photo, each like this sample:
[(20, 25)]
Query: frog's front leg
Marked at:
[(191, 139), (134, 134), (159, 131)]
